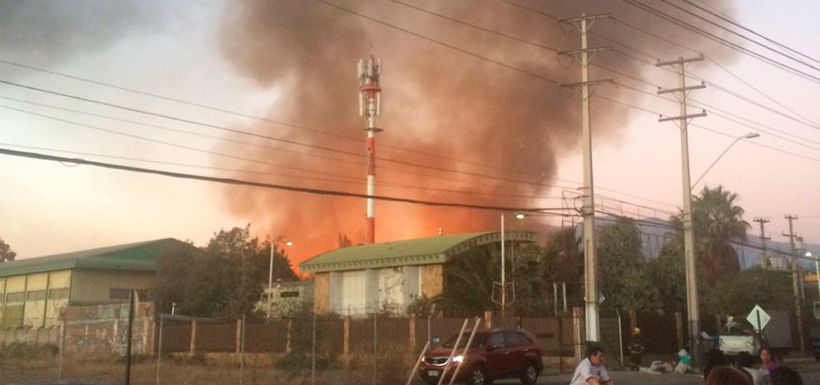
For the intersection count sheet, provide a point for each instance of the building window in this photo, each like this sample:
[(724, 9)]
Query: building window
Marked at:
[(119, 294), (58, 294), (36, 295), (13, 298)]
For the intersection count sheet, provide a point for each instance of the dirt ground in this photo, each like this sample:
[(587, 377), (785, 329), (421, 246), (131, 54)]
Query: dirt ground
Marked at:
[(183, 371)]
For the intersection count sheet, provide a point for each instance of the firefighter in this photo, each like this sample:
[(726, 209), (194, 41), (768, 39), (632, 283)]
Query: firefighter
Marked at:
[(635, 350)]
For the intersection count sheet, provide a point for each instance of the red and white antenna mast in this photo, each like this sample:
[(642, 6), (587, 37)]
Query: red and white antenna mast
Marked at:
[(369, 100)]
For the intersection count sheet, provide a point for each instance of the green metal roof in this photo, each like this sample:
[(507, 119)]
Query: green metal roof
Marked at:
[(140, 256), (422, 251)]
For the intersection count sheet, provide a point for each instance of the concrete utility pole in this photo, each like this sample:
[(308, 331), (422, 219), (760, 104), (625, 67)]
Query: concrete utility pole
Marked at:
[(796, 282), (503, 274), (763, 237), (692, 303), (593, 329)]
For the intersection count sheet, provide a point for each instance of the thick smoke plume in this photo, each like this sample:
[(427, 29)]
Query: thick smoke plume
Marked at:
[(435, 99)]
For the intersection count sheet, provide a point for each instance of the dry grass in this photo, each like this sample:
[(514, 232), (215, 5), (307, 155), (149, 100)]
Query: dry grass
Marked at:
[(198, 371)]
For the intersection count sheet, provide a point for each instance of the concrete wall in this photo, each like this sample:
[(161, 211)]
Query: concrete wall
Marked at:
[(103, 329), (94, 286)]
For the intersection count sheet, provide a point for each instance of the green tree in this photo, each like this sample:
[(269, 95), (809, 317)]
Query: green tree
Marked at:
[(225, 278), (562, 262), (468, 282), (717, 222), (623, 269), (533, 294), (738, 293), (6, 253), (667, 274)]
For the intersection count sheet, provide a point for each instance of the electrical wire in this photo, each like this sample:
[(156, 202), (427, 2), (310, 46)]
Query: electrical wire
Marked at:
[(265, 173), (231, 181), (665, 16), (442, 169), (730, 21)]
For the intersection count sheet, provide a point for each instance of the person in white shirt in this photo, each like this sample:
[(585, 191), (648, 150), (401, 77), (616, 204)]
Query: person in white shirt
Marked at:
[(591, 370)]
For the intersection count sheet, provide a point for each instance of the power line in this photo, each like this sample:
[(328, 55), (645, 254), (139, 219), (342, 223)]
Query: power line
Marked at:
[(664, 16), (231, 181), (640, 80), (177, 119), (218, 109), (547, 48), (157, 141), (175, 100), (764, 94), (736, 24), (740, 35), (443, 44), (442, 169), (706, 128), (264, 173)]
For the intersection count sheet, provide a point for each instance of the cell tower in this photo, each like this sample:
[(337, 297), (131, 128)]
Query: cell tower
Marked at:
[(369, 101)]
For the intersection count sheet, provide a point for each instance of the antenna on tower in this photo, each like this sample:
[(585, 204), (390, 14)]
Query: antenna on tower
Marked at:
[(369, 70)]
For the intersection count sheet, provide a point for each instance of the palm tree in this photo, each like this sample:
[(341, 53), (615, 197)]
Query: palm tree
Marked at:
[(717, 222)]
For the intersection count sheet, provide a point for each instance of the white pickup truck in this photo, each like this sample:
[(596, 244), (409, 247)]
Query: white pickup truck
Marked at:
[(736, 343), (733, 340)]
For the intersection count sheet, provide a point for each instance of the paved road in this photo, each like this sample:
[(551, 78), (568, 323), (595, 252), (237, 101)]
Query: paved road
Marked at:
[(809, 371)]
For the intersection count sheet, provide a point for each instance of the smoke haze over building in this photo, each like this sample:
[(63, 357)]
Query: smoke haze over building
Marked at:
[(435, 100)]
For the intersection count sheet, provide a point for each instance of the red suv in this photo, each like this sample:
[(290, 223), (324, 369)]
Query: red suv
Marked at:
[(494, 354)]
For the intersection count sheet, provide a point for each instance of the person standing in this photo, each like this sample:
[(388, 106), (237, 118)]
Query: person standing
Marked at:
[(591, 370), (635, 350)]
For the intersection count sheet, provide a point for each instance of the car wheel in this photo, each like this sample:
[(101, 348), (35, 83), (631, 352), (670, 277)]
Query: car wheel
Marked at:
[(478, 377), (530, 375)]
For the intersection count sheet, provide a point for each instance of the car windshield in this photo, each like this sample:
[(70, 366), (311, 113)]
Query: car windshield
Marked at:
[(478, 340)]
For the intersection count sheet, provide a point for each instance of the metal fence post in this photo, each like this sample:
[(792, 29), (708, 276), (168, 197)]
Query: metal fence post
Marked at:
[(62, 349), (375, 346), (242, 353), (560, 320), (313, 352), (159, 345)]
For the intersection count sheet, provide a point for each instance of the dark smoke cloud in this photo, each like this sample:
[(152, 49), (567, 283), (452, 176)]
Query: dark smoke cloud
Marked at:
[(47, 32), (435, 99)]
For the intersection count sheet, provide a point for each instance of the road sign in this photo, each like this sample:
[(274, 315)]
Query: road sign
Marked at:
[(758, 318)]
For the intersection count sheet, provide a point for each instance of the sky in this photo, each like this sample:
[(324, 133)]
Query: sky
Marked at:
[(206, 52)]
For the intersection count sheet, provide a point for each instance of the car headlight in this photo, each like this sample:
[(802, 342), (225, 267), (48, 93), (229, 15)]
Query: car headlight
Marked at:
[(458, 358)]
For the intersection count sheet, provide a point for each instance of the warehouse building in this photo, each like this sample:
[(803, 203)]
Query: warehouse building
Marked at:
[(365, 279), (34, 291)]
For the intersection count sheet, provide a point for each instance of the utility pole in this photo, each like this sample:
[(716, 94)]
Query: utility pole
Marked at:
[(593, 328), (763, 237), (503, 275), (798, 309), (692, 303)]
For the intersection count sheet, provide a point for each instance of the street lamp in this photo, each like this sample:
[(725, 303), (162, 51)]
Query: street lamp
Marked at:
[(504, 267), (279, 239), (692, 301), (750, 135), (816, 272)]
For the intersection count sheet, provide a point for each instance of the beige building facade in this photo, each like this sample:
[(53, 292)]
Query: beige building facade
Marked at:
[(390, 276), (35, 291)]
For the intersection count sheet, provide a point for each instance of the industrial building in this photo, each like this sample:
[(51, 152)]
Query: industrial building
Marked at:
[(34, 291), (365, 279)]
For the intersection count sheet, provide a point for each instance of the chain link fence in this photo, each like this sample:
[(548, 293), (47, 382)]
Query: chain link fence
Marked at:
[(308, 349)]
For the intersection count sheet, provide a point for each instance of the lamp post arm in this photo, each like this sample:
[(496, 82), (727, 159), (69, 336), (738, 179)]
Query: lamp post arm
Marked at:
[(715, 162)]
